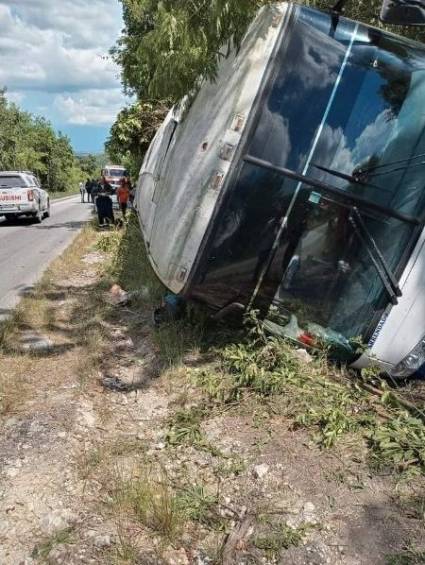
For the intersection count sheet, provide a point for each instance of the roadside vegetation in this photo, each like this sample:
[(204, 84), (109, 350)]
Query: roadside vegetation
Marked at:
[(210, 442), (29, 142)]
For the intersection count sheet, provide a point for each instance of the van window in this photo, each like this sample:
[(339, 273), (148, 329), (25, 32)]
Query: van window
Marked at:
[(12, 182)]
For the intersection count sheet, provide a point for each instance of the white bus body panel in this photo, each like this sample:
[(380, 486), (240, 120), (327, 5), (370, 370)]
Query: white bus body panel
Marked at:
[(178, 190), (404, 325)]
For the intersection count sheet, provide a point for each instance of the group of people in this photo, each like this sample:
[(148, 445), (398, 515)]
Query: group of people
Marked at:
[(100, 191)]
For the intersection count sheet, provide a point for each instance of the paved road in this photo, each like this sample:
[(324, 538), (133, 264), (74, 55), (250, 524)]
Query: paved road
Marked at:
[(26, 249)]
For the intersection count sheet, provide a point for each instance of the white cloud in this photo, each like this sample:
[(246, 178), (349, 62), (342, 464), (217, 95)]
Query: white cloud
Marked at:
[(38, 51), (61, 48), (90, 107), (16, 97)]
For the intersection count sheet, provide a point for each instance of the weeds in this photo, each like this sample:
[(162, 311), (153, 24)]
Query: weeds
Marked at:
[(13, 382), (109, 242), (198, 506), (231, 468), (399, 443), (128, 272), (163, 508), (185, 427), (151, 501), (409, 556), (317, 396), (281, 536), (42, 550)]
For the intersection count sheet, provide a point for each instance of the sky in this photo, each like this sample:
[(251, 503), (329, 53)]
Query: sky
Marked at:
[(54, 62)]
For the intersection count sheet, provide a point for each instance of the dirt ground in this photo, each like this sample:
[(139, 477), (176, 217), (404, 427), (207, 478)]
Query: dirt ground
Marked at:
[(104, 458)]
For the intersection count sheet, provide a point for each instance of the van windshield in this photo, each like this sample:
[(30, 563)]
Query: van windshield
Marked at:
[(12, 182), (118, 173)]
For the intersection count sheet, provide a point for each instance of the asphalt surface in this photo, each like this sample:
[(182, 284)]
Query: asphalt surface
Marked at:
[(26, 249)]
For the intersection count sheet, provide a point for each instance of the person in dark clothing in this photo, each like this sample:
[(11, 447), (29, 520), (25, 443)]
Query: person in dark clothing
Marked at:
[(96, 188), (106, 187), (89, 188), (104, 208)]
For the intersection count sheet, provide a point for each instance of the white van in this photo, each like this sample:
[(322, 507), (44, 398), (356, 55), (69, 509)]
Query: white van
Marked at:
[(22, 195)]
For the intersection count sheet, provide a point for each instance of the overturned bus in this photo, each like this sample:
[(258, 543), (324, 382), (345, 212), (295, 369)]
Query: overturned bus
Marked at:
[(295, 184)]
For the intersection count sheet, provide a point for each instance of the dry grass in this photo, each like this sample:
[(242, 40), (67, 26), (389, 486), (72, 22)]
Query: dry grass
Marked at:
[(147, 496), (14, 378), (38, 312)]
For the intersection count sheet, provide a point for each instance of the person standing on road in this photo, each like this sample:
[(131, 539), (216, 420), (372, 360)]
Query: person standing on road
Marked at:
[(104, 208), (89, 187), (96, 188), (82, 191), (123, 196)]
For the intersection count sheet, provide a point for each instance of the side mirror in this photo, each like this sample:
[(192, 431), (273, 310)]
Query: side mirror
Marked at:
[(403, 12)]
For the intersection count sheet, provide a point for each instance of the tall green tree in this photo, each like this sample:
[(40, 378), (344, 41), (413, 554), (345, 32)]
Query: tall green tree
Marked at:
[(133, 131), (30, 143)]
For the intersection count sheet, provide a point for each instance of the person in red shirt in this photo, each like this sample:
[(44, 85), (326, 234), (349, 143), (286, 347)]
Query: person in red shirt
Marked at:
[(123, 196)]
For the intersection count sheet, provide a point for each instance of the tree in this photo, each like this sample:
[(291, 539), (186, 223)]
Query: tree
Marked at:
[(167, 45), (30, 143), (89, 165), (133, 131)]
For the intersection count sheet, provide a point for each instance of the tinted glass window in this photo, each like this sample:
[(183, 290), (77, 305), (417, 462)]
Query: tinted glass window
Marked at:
[(375, 125), (349, 99), (12, 182), (309, 62)]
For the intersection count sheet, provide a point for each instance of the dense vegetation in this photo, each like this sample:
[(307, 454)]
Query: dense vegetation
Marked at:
[(91, 165), (167, 46), (30, 143)]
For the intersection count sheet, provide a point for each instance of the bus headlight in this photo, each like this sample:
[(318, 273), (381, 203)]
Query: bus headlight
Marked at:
[(412, 362)]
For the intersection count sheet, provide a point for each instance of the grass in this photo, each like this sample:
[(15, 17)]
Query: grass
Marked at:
[(244, 371), (69, 192), (319, 396), (409, 556), (130, 265), (280, 536), (36, 312), (13, 382), (185, 426), (149, 498), (199, 506), (42, 551)]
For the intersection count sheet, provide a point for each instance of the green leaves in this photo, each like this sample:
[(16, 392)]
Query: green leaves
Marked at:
[(132, 132), (399, 443), (30, 143), (167, 46)]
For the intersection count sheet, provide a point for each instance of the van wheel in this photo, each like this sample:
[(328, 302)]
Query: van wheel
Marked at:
[(47, 212), (11, 217)]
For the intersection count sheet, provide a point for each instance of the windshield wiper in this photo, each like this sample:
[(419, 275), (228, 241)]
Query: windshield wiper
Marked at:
[(371, 245), (327, 188), (354, 178), (378, 266), (408, 166), (362, 172)]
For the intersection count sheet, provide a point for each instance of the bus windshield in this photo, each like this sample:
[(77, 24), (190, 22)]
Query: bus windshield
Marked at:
[(344, 105), (373, 117)]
